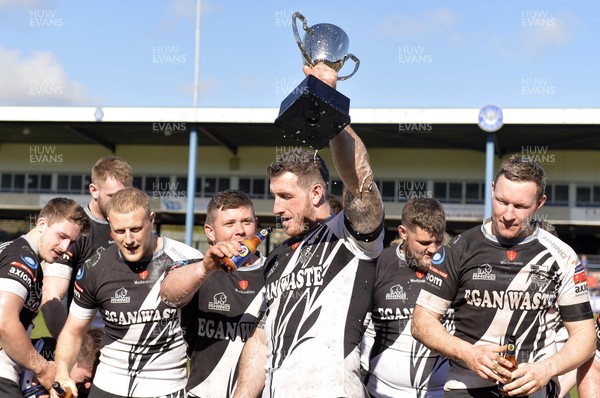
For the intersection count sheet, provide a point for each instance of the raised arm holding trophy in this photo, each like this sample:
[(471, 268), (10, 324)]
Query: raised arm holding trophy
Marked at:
[(318, 282), (314, 112)]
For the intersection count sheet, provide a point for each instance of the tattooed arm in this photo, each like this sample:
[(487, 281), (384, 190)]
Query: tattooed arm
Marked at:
[(363, 206)]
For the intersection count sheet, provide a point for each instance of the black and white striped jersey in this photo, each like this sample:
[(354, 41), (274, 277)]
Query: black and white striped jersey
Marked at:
[(217, 322), (318, 291), (144, 353), (400, 365), (87, 247), (498, 290), (21, 274)]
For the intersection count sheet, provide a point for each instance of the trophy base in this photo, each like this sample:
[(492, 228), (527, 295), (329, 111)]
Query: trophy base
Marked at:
[(314, 113)]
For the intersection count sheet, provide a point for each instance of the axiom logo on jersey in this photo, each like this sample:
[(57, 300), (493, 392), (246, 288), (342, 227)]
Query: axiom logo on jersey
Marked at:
[(219, 303), (120, 297), (396, 293), (484, 272), (21, 272)]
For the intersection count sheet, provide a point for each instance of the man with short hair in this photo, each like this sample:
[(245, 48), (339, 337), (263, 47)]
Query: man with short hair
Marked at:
[(506, 278), (84, 368), (398, 364), (59, 224), (109, 175), (144, 354), (319, 281), (215, 334)]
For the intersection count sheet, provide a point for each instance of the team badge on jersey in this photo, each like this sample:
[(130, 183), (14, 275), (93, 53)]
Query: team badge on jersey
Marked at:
[(484, 272), (396, 293), (30, 261), (219, 302), (120, 297), (439, 257)]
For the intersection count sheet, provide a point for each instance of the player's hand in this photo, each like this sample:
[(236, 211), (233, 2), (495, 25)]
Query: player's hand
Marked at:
[(46, 375), (65, 383), (529, 378), (215, 253), (323, 73), (487, 361)]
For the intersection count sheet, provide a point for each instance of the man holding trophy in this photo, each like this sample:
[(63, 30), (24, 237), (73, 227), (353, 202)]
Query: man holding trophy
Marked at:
[(318, 282)]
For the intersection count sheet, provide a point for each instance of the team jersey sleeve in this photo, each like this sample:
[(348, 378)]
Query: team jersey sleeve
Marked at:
[(84, 289), (573, 298), (18, 270), (364, 246), (58, 270)]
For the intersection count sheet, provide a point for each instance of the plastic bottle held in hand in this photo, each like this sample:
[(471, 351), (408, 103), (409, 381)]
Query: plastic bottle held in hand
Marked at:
[(511, 355), (249, 246), (62, 392)]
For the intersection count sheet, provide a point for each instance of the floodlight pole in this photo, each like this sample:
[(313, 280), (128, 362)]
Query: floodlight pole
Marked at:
[(193, 146), (489, 175)]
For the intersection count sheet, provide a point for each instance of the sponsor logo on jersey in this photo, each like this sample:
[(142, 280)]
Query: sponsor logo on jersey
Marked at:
[(484, 272), (120, 297), (166, 317), (420, 274), (390, 314), (93, 260), (24, 268), (18, 270), (511, 255), (437, 271), (220, 330), (243, 284), (511, 299), (80, 273), (579, 276), (219, 303), (30, 261), (144, 275), (551, 241), (439, 257), (304, 277), (396, 293)]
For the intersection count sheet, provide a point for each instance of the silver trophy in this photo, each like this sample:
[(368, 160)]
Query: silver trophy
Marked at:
[(314, 113)]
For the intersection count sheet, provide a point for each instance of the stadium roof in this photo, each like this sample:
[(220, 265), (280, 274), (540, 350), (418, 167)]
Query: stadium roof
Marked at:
[(444, 128)]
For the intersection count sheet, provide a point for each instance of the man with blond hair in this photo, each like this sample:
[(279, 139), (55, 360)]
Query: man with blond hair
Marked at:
[(59, 224), (109, 175), (144, 354)]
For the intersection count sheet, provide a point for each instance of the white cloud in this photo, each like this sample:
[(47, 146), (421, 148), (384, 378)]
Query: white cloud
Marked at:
[(39, 79), (544, 33), (431, 22)]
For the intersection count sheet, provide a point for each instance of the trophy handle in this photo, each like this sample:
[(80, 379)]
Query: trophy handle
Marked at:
[(308, 30), (356, 65)]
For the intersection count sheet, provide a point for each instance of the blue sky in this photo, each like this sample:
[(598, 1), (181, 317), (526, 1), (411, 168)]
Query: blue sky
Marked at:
[(512, 53)]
